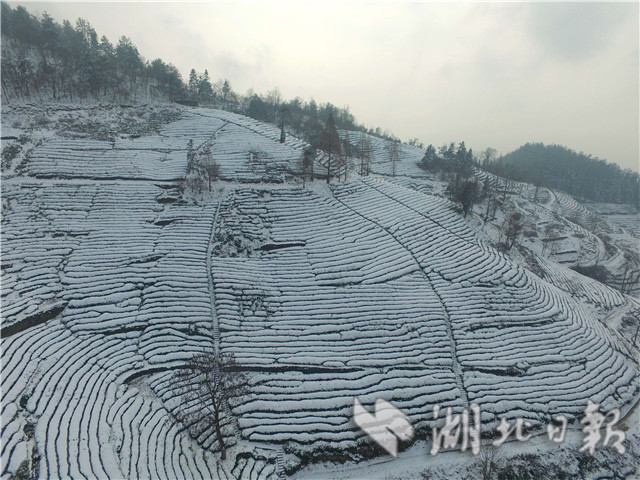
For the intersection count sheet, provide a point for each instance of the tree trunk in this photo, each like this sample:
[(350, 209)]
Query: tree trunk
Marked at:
[(329, 169), (223, 447), (624, 278), (486, 215)]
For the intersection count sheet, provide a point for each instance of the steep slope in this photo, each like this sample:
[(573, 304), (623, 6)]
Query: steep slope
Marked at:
[(559, 227), (112, 279)]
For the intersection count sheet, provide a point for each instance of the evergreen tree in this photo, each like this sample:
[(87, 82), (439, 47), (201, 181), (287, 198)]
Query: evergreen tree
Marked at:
[(205, 89), (106, 65), (226, 92), (463, 192), (86, 54), (257, 108), (429, 158), (129, 63), (49, 48), (193, 82)]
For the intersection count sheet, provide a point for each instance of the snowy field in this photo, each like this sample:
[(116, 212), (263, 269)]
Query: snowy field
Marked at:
[(375, 287)]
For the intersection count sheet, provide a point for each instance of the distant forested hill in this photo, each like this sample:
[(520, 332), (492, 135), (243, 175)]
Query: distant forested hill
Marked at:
[(580, 175)]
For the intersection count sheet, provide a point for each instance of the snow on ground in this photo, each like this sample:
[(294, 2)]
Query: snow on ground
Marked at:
[(408, 156), (536, 458), (373, 288)]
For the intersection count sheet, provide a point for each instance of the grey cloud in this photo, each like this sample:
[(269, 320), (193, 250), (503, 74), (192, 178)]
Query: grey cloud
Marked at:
[(574, 31), (230, 67), (195, 54)]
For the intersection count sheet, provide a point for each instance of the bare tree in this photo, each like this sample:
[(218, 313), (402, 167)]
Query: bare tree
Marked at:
[(630, 276), (489, 461), (488, 156), (364, 154), (514, 228), (212, 169), (284, 113), (511, 228), (343, 166), (190, 156), (488, 194), (330, 143), (635, 316), (194, 183), (208, 166), (206, 385), (572, 288), (551, 239), (594, 222), (394, 155), (306, 162), (348, 152)]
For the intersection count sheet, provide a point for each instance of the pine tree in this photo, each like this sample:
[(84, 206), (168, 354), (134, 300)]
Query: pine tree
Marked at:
[(129, 62), (205, 89), (50, 38), (429, 157), (193, 82), (106, 64), (463, 192), (226, 91)]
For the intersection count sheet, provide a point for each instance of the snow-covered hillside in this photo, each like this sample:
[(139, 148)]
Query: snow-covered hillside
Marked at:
[(112, 277)]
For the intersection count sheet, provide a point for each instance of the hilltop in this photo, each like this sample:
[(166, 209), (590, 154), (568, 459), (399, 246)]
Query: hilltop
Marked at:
[(579, 174)]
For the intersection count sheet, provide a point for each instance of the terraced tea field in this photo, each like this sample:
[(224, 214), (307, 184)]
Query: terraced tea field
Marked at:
[(372, 288)]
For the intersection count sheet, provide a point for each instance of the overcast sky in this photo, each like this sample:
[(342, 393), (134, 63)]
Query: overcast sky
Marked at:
[(492, 74)]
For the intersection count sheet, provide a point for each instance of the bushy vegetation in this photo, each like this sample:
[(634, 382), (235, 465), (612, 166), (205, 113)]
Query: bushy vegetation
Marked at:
[(305, 118), (464, 192), (597, 272), (449, 159)]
